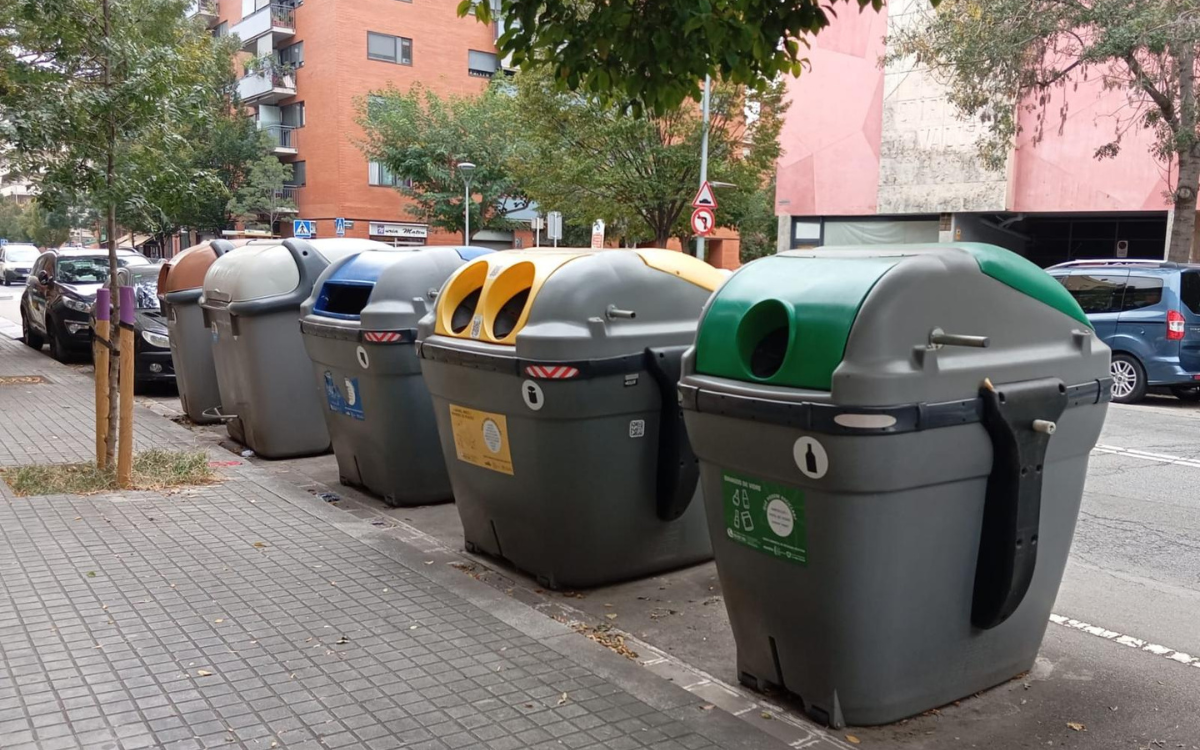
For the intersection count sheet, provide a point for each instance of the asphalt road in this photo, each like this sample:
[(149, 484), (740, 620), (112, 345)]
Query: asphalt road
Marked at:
[(1133, 577)]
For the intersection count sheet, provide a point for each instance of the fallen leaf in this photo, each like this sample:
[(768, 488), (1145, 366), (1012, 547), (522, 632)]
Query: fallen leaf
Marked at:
[(562, 699), (853, 740), (766, 715), (429, 562), (91, 574), (219, 620), (203, 673), (707, 707), (260, 545), (611, 615), (78, 518), (412, 627), (1076, 726), (343, 640)]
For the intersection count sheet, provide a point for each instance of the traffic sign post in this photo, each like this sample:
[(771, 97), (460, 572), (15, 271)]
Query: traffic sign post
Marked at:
[(554, 227), (304, 228), (339, 227), (703, 221), (598, 234)]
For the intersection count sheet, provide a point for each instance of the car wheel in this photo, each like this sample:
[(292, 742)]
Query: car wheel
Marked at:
[(32, 340), (56, 347), (1129, 379), (1186, 392)]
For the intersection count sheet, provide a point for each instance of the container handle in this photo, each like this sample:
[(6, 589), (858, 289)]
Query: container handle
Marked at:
[(678, 469), (220, 247), (1016, 416)]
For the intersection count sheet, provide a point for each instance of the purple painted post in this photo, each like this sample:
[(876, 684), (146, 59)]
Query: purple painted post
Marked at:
[(127, 310), (104, 304)]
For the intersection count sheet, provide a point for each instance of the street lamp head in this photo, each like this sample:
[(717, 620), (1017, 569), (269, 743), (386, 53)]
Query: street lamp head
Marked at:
[(466, 168), (719, 184)]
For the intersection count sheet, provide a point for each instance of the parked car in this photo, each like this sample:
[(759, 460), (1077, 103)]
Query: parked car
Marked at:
[(152, 348), (15, 261), (1148, 312), (56, 306)]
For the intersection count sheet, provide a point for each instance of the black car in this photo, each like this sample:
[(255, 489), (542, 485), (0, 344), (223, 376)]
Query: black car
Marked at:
[(152, 349), (56, 307)]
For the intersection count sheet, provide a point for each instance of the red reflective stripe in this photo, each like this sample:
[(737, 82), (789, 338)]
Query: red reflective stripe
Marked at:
[(382, 337), (551, 372)]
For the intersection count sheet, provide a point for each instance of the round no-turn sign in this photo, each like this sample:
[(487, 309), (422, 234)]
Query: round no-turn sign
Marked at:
[(703, 221)]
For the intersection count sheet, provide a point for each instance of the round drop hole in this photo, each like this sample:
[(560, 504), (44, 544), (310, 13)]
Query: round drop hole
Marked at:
[(464, 312), (764, 337)]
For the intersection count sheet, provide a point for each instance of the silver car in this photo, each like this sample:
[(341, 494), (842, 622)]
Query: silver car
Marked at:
[(15, 262)]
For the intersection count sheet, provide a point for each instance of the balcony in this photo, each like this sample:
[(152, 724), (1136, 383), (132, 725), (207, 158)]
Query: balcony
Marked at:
[(205, 10), (267, 82), (288, 196), (283, 138), (276, 19)]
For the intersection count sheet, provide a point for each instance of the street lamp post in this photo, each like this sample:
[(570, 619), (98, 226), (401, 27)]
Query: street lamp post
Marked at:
[(466, 168), (704, 152)]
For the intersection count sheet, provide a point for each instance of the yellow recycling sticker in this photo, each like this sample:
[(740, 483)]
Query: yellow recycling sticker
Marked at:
[(481, 438)]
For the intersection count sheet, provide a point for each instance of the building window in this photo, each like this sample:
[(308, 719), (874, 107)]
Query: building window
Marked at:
[(375, 105), (299, 174), (395, 49), (292, 115), (293, 55), (379, 175), (482, 64), (221, 30)]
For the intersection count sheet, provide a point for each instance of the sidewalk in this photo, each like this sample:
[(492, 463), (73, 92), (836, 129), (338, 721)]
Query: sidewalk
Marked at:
[(252, 614)]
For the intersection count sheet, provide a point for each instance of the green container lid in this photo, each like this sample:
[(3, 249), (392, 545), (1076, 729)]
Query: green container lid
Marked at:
[(785, 320)]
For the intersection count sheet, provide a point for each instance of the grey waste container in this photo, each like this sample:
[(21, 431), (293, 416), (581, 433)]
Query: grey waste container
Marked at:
[(359, 329), (553, 375), (893, 443), (251, 304), (180, 285)]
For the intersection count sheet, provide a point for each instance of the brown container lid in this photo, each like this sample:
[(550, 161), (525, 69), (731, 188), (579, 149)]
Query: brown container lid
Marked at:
[(186, 270)]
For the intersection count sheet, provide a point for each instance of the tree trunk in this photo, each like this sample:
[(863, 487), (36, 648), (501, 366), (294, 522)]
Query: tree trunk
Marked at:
[(1180, 246), (110, 222), (1183, 228)]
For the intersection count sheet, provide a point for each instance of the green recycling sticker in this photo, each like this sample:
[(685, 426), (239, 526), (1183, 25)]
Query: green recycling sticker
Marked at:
[(766, 517)]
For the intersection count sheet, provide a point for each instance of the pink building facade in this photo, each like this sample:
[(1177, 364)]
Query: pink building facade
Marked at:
[(876, 154)]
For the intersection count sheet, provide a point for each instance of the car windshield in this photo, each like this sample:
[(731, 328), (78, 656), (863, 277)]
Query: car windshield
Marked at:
[(84, 270), (145, 291), (20, 254)]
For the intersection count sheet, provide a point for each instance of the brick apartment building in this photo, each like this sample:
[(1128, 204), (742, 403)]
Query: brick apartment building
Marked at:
[(309, 64)]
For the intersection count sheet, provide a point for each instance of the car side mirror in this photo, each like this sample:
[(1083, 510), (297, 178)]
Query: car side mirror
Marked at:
[(44, 278)]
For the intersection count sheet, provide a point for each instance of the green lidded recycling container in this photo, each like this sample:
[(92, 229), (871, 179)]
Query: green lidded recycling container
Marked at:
[(893, 443)]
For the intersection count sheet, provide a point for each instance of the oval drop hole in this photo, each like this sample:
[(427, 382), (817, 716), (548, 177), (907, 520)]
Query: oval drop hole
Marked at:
[(509, 314), (764, 337), (464, 312)]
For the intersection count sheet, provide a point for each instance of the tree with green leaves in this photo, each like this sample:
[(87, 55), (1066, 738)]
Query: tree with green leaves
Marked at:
[(262, 199), (583, 155), (1001, 59), (12, 220), (418, 138), (51, 227), (94, 98), (654, 54)]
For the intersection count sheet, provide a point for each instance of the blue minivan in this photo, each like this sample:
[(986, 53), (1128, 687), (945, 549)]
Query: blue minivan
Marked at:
[(1148, 312)]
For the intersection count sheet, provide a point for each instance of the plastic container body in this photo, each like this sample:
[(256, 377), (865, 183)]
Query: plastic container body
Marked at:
[(359, 329), (891, 515), (251, 303), (553, 378)]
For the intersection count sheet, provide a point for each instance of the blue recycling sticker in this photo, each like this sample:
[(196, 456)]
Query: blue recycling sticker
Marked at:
[(351, 404)]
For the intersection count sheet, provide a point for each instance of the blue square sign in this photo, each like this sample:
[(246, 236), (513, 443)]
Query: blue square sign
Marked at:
[(304, 228), (339, 227)]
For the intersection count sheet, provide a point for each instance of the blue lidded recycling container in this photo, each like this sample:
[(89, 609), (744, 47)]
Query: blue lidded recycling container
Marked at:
[(359, 328)]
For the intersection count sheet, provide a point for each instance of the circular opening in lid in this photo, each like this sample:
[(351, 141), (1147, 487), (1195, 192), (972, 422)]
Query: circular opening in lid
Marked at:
[(764, 338)]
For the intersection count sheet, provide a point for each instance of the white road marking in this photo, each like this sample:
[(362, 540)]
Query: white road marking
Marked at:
[(1161, 458), (1128, 640)]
